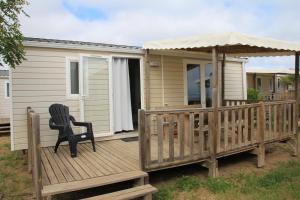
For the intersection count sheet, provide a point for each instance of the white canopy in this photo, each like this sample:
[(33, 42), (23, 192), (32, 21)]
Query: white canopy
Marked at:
[(229, 43)]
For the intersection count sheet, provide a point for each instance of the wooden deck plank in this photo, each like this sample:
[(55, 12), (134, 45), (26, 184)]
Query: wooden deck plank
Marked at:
[(119, 155), (45, 179), (50, 173), (65, 172), (126, 150), (107, 165), (81, 171), (69, 166), (91, 182), (83, 164), (90, 158), (111, 161)]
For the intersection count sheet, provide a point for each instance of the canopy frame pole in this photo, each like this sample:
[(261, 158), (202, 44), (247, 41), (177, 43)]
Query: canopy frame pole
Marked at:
[(213, 169)]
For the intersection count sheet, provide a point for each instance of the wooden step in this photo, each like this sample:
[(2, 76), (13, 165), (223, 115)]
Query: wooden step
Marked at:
[(49, 190), (132, 193)]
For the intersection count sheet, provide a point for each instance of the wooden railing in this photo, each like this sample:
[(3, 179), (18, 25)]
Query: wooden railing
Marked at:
[(181, 136), (34, 152)]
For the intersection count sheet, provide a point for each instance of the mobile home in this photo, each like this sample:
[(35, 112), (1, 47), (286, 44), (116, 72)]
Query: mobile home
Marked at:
[(105, 84)]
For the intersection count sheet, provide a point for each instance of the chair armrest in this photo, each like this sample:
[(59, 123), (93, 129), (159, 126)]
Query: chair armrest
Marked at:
[(88, 125), (54, 126)]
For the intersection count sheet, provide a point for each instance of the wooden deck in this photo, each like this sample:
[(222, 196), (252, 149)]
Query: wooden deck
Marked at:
[(112, 160)]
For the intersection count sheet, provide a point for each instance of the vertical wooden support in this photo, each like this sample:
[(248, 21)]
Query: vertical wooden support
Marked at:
[(36, 156), (223, 77), (29, 140), (142, 139), (297, 103), (215, 94), (261, 136), (147, 80)]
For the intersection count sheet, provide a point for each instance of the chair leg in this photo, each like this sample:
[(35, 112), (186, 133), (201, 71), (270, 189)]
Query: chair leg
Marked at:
[(56, 145), (93, 143), (73, 147)]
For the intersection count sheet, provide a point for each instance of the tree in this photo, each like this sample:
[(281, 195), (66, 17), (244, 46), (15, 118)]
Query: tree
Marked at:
[(11, 37)]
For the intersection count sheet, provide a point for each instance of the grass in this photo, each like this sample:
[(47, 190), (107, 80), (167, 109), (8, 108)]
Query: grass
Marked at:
[(280, 183), (15, 182)]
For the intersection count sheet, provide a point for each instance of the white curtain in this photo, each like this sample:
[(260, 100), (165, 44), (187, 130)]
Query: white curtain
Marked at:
[(121, 95)]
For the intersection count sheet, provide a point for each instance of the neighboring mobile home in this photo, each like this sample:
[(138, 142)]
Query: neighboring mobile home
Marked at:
[(4, 96), (104, 84), (269, 82)]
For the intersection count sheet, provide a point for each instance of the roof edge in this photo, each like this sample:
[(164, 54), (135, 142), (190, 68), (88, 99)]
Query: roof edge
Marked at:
[(80, 45)]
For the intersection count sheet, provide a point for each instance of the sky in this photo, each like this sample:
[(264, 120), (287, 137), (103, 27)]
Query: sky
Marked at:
[(134, 22)]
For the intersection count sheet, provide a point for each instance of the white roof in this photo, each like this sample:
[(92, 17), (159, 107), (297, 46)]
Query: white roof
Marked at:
[(229, 43), (261, 70)]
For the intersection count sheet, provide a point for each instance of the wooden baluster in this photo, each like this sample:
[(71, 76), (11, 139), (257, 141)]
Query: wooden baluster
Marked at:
[(289, 119), (219, 132), (225, 130), (233, 126), (284, 119), (245, 132), (275, 121), (252, 135), (269, 135), (240, 127), (181, 135), (171, 138), (160, 138), (201, 133), (148, 139), (192, 134)]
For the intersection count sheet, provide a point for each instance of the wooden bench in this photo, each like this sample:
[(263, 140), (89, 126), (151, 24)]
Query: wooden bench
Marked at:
[(144, 191)]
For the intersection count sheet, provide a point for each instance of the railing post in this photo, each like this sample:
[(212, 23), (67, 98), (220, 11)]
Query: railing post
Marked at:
[(142, 139), (36, 155), (261, 136), (29, 140)]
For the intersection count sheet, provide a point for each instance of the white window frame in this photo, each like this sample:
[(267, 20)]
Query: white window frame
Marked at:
[(271, 89), (68, 77), (5, 90), (261, 87), (202, 77)]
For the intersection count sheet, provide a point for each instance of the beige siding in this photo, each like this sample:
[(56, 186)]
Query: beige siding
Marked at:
[(39, 82), (167, 80), (4, 102), (234, 87)]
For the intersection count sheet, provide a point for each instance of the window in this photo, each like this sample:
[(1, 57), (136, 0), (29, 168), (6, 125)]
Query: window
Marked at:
[(73, 78), (193, 84), (258, 84), (6, 90), (271, 85)]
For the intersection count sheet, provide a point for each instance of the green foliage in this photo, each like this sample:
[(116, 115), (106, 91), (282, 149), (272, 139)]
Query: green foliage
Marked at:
[(288, 79), (11, 38), (218, 185), (253, 94), (165, 194), (188, 183)]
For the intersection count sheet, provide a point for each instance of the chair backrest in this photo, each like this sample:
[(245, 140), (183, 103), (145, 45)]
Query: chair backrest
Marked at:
[(60, 114)]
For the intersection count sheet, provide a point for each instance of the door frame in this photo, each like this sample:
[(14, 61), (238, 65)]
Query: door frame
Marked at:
[(81, 86), (202, 64)]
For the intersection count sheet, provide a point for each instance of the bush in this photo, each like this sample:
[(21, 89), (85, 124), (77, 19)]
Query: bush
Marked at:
[(253, 94)]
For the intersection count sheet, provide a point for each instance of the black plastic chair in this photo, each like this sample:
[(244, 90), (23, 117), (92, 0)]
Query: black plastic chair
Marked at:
[(60, 120)]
